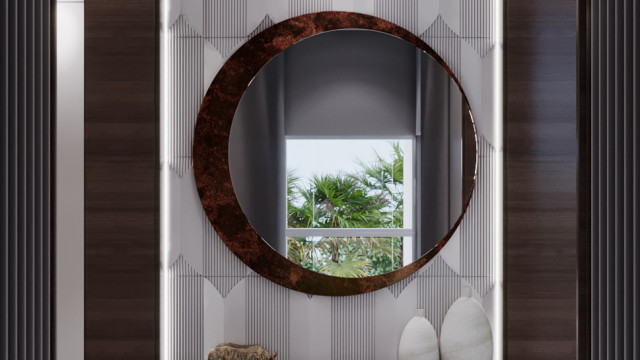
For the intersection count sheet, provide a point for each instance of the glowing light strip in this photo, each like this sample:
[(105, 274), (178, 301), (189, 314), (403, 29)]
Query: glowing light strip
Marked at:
[(164, 183), (498, 174)]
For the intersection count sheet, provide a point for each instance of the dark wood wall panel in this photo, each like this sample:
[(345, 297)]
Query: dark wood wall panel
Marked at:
[(121, 299), (121, 187), (540, 193)]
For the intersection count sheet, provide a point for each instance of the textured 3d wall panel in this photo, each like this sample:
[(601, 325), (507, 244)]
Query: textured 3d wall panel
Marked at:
[(235, 304), (26, 169), (477, 231)]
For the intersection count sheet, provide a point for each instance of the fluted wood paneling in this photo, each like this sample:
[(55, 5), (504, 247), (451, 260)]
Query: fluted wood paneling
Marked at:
[(26, 166), (615, 95)]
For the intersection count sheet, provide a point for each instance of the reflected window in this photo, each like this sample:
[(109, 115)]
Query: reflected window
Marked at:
[(350, 205)]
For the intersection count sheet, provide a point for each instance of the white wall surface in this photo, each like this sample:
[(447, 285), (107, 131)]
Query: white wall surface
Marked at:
[(70, 181)]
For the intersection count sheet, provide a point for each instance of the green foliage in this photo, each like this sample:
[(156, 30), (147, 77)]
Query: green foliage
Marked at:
[(370, 197)]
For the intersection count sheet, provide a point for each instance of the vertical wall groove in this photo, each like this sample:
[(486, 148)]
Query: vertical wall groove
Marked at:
[(477, 25), (614, 179), (25, 154), (267, 309), (445, 42), (299, 7), (186, 49), (403, 13), (121, 192), (187, 311), (438, 288), (225, 18), (477, 229), (352, 327)]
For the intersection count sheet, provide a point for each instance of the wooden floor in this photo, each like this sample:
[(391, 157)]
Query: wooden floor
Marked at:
[(541, 164)]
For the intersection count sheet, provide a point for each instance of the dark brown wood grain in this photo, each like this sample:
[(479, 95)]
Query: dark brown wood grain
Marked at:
[(121, 187), (583, 73), (540, 187)]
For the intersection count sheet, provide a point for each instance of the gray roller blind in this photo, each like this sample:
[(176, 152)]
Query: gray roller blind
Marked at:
[(615, 160), (25, 188)]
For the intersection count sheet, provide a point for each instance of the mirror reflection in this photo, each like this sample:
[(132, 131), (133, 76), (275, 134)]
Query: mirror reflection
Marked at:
[(352, 153)]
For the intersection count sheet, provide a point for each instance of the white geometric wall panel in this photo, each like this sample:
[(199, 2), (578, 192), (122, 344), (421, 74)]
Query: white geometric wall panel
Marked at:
[(352, 327), (477, 229), (268, 315), (299, 7), (187, 312), (215, 298), (477, 23), (225, 18), (187, 64), (403, 13), (445, 42), (438, 288)]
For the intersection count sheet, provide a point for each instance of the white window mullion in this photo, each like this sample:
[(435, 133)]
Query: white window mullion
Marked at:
[(347, 232)]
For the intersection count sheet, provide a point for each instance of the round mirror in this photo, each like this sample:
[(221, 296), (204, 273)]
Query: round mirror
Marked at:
[(350, 154)]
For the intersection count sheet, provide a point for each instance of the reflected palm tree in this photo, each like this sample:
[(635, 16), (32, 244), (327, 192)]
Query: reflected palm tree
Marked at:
[(370, 197)]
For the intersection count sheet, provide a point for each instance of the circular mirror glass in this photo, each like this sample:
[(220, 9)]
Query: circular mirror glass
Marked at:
[(352, 153)]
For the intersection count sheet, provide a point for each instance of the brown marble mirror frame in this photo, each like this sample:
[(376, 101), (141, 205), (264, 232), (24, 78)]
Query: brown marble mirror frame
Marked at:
[(211, 146)]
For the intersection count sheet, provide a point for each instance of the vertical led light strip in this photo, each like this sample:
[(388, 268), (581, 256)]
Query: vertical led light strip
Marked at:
[(69, 178), (165, 349), (498, 190)]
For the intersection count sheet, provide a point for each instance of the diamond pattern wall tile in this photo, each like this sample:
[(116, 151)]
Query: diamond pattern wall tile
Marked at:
[(226, 46), (397, 288), (445, 42), (435, 296)]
